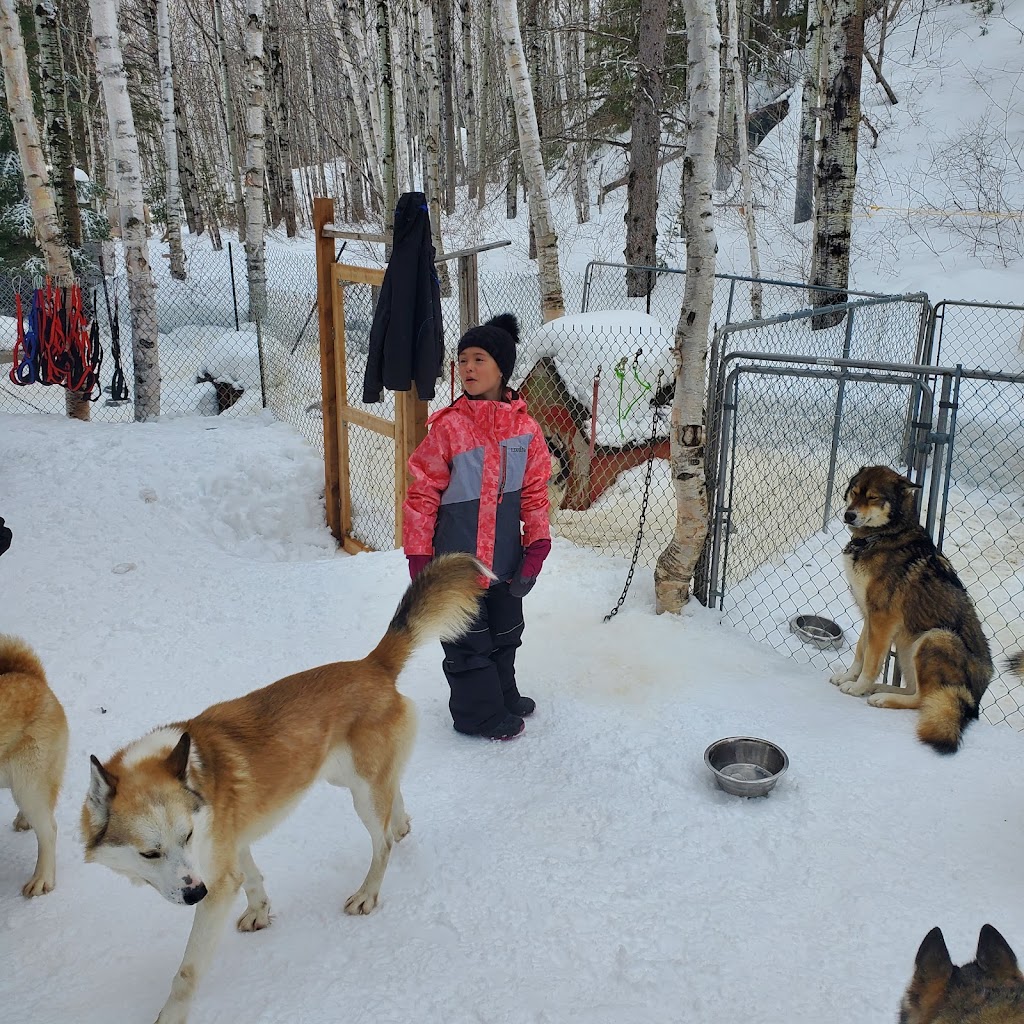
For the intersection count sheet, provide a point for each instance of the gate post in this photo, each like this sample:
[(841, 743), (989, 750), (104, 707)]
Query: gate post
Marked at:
[(323, 213)]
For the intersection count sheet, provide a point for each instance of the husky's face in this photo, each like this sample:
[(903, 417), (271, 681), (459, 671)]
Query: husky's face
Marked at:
[(145, 821), (878, 496)]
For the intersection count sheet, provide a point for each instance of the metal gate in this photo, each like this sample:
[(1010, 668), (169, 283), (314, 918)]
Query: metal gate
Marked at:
[(793, 429)]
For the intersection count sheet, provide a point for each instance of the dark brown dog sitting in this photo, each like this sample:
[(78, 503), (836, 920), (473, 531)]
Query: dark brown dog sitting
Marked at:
[(910, 596)]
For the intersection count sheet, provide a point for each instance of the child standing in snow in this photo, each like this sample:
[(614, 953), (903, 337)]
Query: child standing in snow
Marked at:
[(482, 470)]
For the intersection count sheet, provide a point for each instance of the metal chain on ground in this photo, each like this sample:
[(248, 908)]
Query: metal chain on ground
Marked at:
[(643, 510)]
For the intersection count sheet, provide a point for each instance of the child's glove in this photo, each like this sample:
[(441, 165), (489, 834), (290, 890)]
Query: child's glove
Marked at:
[(5, 536), (417, 563), (529, 568)]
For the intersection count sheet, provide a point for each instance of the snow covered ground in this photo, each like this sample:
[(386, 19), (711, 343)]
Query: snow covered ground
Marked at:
[(588, 871)]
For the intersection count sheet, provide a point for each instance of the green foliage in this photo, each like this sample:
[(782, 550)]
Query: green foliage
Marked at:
[(612, 65), (17, 245)]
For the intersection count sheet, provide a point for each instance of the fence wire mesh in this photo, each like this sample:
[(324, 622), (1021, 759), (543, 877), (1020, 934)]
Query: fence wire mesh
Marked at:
[(791, 433), (792, 436)]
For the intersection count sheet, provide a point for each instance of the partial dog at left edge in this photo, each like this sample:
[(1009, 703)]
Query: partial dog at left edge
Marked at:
[(33, 750)]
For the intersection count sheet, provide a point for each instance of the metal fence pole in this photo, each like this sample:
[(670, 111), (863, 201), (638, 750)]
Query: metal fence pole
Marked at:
[(837, 422), (234, 294)]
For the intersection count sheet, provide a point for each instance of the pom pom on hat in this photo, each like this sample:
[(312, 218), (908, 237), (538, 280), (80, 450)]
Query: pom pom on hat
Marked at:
[(498, 338)]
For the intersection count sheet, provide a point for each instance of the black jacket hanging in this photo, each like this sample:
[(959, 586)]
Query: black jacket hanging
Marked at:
[(407, 337)]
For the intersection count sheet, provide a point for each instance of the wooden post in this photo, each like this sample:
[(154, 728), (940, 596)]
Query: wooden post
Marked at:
[(469, 292), (323, 213)]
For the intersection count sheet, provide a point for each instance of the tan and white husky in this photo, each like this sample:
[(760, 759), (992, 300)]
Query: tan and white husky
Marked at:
[(179, 808), (33, 747)]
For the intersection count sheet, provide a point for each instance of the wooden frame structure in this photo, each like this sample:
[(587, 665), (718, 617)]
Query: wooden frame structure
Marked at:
[(409, 426)]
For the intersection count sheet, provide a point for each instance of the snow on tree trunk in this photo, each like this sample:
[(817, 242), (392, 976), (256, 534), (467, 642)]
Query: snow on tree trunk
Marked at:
[(837, 164), (803, 207), (126, 177), (255, 157), (644, 140), (18, 89), (552, 304), (676, 564), (743, 154), (172, 198), (53, 84)]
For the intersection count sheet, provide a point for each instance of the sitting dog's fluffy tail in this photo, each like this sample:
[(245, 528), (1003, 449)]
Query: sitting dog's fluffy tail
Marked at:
[(1015, 663), (17, 656), (439, 604), (944, 714)]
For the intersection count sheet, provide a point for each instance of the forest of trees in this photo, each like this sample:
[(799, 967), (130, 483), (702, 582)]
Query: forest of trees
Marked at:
[(213, 115)]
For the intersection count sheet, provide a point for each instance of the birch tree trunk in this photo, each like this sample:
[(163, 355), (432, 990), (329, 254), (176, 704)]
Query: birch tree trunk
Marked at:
[(255, 158), (552, 304), (803, 207), (228, 109), (470, 100), (837, 165), (676, 564), (743, 154), (172, 197), (282, 126), (389, 169), (187, 165), (432, 181), (126, 172), (53, 84), (18, 89), (729, 120), (644, 139)]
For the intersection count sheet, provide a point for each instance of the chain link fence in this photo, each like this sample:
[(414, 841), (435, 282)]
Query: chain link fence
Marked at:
[(783, 436), (212, 359), (792, 435)]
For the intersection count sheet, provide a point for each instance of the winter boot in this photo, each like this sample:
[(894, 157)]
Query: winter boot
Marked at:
[(518, 705), (507, 728)]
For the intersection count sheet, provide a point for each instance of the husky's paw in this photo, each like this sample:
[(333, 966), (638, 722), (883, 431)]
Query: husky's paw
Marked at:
[(361, 903), (838, 678), (21, 823), (400, 829), (173, 1015), (255, 919), (38, 885), (856, 687)]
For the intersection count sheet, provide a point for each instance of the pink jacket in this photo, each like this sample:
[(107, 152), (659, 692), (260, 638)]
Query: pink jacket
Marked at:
[(481, 470)]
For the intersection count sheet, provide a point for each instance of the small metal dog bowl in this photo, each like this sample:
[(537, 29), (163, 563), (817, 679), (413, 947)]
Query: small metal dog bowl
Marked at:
[(817, 631), (746, 765)]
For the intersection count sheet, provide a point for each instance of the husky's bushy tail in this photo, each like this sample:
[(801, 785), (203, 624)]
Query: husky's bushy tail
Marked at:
[(1015, 663), (17, 656), (944, 715), (439, 604)]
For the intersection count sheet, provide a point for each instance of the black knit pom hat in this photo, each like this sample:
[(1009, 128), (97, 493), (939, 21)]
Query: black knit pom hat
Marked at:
[(498, 338)]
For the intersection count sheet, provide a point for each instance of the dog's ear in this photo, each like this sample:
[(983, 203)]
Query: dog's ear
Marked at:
[(177, 759), (102, 787), (995, 958), (932, 964), (909, 496)]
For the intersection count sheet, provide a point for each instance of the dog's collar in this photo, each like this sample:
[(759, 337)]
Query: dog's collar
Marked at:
[(857, 545)]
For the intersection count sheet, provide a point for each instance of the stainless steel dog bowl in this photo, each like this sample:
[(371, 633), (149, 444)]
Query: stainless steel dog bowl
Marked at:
[(746, 765), (817, 631)]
